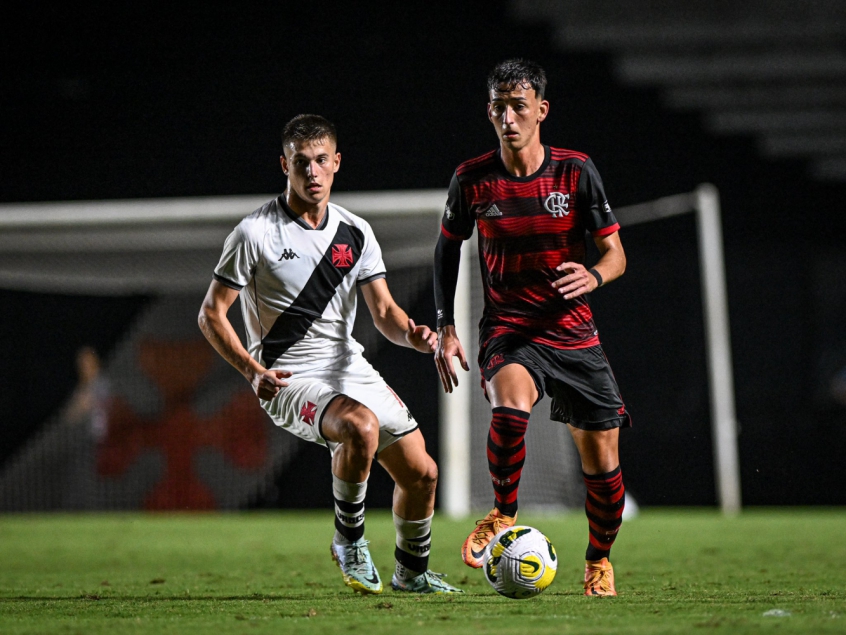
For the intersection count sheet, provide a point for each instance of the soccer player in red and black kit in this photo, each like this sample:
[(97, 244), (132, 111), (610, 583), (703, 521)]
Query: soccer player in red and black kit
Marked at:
[(532, 205)]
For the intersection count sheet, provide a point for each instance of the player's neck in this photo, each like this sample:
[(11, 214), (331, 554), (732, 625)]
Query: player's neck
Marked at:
[(311, 213), (524, 161)]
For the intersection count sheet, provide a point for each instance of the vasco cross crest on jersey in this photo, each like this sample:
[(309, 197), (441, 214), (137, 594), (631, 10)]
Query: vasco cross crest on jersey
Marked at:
[(557, 204), (342, 256), (307, 412)]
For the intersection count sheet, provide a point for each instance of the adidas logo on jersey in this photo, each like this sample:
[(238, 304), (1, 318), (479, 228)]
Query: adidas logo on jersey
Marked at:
[(493, 210), (288, 254)]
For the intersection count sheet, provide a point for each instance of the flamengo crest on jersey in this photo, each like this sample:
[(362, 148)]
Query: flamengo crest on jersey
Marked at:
[(558, 204), (298, 284), (527, 226)]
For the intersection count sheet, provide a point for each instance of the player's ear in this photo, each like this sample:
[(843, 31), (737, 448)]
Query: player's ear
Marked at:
[(284, 163), (337, 161), (543, 110)]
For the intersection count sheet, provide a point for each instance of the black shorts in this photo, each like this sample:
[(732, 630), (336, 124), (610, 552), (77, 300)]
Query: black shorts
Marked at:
[(580, 382)]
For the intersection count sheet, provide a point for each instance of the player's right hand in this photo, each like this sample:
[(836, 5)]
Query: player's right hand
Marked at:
[(448, 348), (267, 384)]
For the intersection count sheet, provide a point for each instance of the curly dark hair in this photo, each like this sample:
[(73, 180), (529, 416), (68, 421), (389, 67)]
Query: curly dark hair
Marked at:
[(518, 72), (308, 128)]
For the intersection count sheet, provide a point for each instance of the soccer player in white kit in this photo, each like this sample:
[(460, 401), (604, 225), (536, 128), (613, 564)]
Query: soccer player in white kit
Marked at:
[(296, 263)]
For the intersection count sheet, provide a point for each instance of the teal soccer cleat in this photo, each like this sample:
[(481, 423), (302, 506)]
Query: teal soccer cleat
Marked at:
[(428, 582), (357, 566)]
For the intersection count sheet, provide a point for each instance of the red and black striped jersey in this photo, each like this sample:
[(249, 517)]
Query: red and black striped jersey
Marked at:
[(527, 226)]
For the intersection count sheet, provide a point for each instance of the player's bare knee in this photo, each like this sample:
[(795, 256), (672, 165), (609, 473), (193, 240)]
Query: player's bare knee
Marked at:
[(361, 429), (425, 480), (429, 480)]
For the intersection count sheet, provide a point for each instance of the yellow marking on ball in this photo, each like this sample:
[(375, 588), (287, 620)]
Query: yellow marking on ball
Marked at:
[(546, 579), (530, 566)]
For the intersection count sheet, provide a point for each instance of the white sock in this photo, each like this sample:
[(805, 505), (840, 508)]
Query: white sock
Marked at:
[(349, 510), (414, 540)]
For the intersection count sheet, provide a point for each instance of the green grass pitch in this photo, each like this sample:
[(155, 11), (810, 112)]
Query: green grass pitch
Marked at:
[(678, 571)]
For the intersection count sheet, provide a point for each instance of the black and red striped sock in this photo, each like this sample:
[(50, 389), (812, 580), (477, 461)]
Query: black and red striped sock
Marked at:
[(606, 498), (506, 455)]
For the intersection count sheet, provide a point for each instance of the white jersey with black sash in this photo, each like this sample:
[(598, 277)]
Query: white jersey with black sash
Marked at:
[(298, 284)]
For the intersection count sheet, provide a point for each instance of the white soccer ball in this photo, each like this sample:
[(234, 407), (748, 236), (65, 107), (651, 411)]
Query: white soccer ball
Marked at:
[(520, 562)]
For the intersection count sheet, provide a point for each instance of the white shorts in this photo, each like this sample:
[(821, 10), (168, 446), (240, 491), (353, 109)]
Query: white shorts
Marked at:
[(299, 408)]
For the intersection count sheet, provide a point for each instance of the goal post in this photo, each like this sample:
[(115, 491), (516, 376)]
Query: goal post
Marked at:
[(456, 408), (717, 338)]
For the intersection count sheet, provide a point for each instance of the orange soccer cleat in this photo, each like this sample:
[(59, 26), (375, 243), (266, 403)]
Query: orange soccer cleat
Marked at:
[(474, 547), (599, 578)]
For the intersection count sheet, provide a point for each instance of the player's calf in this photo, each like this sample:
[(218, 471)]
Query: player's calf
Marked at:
[(349, 548), (606, 499), (507, 455), (604, 504), (412, 574), (413, 543)]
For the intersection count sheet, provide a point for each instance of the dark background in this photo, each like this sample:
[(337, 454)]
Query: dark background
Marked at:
[(157, 101)]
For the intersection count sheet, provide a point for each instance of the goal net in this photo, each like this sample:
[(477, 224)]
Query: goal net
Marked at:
[(164, 423)]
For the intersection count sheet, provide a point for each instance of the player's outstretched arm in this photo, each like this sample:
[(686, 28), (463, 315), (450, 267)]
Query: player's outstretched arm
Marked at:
[(218, 330), (579, 279), (393, 322)]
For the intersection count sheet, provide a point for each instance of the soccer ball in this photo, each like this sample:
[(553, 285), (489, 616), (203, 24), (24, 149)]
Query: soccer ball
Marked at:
[(520, 562)]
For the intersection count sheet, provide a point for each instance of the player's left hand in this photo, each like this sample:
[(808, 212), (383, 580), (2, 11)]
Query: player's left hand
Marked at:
[(577, 281), (421, 338)]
